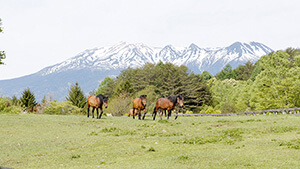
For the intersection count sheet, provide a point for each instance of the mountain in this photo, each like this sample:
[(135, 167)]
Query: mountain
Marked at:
[(91, 66)]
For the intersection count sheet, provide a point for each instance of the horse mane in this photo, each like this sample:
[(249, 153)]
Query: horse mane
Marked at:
[(143, 96), (173, 99), (102, 98)]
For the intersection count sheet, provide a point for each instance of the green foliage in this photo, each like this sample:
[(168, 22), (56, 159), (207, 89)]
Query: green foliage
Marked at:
[(278, 85), (2, 56), (274, 83), (7, 106), (106, 87), (244, 72), (1, 29), (15, 101), (62, 108), (226, 73), (209, 110), (28, 98), (118, 106), (2, 53), (161, 80), (76, 96), (206, 75), (124, 87)]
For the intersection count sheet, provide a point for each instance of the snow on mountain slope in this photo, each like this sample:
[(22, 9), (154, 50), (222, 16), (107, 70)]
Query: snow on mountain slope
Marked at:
[(91, 66), (124, 55)]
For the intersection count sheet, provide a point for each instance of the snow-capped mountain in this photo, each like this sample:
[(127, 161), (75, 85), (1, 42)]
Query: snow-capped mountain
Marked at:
[(124, 55), (91, 66)]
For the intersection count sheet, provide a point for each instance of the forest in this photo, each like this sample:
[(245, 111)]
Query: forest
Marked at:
[(272, 82)]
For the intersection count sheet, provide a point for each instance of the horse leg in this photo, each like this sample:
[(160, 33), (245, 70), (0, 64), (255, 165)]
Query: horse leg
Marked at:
[(154, 113), (97, 113), (144, 114), (160, 113), (169, 114), (139, 114), (165, 113), (88, 111), (101, 112), (176, 114), (133, 111), (93, 111)]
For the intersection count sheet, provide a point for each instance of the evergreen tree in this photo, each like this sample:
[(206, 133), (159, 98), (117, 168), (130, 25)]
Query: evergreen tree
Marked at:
[(124, 88), (226, 73), (243, 72), (76, 96), (196, 92), (28, 98), (206, 75)]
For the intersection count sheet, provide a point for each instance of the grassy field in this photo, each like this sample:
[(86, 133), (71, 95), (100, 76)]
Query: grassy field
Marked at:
[(50, 141)]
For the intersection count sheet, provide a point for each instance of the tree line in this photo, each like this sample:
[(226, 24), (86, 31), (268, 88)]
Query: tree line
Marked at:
[(272, 82)]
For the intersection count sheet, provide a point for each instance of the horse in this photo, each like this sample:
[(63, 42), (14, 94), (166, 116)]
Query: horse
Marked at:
[(96, 102), (167, 104), (130, 113), (139, 104)]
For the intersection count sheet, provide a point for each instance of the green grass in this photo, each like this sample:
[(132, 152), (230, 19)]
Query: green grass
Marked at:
[(53, 141)]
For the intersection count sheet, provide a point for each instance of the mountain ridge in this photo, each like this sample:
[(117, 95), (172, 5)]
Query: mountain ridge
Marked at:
[(93, 65)]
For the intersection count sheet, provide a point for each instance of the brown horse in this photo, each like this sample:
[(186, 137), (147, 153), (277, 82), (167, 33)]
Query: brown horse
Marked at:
[(139, 104), (96, 102), (130, 113), (163, 104)]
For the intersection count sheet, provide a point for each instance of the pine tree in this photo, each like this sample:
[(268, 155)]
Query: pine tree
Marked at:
[(76, 96), (28, 98)]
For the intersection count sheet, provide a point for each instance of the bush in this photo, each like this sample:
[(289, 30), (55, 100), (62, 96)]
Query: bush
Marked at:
[(6, 106), (118, 106), (209, 110), (62, 108)]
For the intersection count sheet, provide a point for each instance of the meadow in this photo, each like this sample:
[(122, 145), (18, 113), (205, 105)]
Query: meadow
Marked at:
[(74, 141)]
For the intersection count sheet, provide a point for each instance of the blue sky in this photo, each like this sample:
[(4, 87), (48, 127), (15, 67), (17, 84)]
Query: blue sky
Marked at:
[(40, 33)]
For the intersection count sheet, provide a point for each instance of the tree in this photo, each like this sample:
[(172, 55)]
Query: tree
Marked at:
[(243, 72), (226, 73), (124, 88), (197, 93), (2, 53), (28, 98), (278, 84), (106, 87), (76, 96), (206, 75)]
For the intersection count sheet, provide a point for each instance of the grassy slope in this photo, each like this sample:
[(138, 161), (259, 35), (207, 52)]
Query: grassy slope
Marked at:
[(45, 141)]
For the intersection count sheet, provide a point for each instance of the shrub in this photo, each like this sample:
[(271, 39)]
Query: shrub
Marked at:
[(210, 110), (6, 106), (62, 108), (118, 106)]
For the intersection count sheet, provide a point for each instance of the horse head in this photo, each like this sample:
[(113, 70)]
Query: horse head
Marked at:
[(180, 101), (144, 99), (105, 100)]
